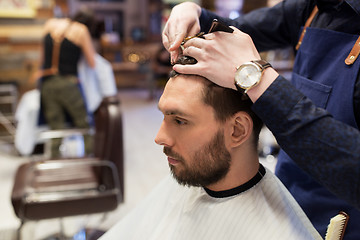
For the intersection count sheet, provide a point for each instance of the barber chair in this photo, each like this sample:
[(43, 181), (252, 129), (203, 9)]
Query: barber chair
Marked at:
[(57, 188)]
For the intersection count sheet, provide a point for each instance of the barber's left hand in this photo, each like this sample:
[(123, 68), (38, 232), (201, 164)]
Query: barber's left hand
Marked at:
[(218, 56)]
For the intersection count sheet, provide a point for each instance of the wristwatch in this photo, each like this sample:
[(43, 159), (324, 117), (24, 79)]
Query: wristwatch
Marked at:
[(249, 74)]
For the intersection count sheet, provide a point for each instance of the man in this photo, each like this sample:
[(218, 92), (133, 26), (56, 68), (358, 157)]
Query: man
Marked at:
[(210, 136), (326, 70)]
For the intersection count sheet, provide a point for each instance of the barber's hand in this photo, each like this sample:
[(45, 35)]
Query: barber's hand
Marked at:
[(218, 56), (183, 22)]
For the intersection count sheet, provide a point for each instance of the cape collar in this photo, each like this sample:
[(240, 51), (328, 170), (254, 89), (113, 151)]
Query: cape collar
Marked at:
[(239, 189)]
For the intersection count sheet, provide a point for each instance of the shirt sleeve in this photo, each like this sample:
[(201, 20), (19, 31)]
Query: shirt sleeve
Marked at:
[(270, 28), (327, 149)]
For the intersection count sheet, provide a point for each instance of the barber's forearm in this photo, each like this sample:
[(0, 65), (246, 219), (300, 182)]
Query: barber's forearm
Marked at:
[(327, 149), (268, 78), (205, 19)]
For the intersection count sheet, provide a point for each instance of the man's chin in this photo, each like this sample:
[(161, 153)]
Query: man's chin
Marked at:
[(175, 171), (181, 179)]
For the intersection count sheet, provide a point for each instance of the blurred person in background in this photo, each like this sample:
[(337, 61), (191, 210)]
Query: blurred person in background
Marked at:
[(65, 41)]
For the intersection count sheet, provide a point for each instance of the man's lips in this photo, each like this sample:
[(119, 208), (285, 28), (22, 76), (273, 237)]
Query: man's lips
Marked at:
[(173, 161)]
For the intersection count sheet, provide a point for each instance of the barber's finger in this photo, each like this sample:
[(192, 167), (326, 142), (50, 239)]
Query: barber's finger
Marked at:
[(169, 34), (172, 36), (175, 44), (187, 69), (196, 42), (174, 47), (165, 41), (192, 51), (174, 55)]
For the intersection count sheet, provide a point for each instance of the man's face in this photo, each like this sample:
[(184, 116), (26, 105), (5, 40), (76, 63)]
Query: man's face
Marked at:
[(193, 140)]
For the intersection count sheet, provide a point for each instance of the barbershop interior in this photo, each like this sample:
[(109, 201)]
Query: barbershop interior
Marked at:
[(80, 194)]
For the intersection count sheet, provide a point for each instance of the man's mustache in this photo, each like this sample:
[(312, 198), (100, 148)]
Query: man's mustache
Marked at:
[(170, 153)]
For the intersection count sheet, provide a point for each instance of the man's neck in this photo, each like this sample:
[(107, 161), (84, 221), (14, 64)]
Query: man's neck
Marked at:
[(243, 168)]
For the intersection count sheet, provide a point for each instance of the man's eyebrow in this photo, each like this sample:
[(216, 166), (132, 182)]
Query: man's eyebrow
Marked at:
[(173, 112)]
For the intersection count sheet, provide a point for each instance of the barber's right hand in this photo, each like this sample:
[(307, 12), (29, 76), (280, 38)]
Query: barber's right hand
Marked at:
[(183, 22), (218, 56)]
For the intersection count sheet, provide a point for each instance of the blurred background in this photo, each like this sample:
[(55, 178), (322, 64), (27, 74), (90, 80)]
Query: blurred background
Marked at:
[(127, 33)]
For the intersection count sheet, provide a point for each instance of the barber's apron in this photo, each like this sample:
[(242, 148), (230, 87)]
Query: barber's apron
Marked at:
[(321, 74)]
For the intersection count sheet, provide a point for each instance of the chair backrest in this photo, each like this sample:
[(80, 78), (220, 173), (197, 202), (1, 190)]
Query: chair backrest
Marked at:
[(108, 139)]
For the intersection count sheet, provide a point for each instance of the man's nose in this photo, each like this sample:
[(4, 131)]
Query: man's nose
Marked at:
[(162, 137)]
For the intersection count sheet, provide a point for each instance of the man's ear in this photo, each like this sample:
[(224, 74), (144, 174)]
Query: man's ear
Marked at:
[(241, 126)]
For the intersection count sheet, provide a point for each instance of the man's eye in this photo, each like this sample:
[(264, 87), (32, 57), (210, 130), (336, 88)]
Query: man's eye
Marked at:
[(180, 121)]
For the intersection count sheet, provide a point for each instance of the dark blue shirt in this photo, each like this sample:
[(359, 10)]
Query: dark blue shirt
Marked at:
[(280, 26), (306, 132)]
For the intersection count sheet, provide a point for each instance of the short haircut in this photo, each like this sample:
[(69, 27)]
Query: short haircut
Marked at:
[(225, 101)]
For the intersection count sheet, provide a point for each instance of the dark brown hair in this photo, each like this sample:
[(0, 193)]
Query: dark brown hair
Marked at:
[(87, 17), (225, 101)]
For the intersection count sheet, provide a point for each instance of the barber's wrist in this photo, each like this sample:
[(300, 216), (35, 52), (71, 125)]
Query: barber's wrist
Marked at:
[(268, 77)]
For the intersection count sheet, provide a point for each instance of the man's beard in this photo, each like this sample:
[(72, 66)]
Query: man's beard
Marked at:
[(208, 165)]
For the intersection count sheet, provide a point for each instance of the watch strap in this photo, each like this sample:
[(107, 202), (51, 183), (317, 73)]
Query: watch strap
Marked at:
[(244, 96), (241, 90), (262, 63)]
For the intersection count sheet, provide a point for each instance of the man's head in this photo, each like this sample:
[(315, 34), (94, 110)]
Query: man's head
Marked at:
[(203, 126)]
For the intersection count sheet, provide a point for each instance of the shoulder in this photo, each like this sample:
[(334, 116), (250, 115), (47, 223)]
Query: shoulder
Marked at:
[(51, 21), (51, 24), (77, 33), (79, 27)]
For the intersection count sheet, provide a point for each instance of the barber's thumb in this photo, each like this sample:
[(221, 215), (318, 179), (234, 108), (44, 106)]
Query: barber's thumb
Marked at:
[(178, 68), (183, 69)]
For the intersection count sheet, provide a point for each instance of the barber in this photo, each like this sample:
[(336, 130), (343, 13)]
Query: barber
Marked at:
[(323, 70)]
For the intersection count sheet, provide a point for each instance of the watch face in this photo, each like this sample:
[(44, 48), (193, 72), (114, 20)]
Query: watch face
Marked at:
[(248, 75)]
